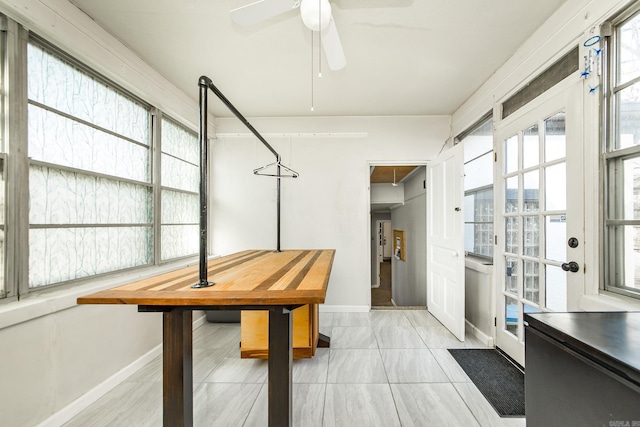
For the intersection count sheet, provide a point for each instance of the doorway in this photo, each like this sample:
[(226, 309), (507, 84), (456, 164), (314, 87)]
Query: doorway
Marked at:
[(397, 204)]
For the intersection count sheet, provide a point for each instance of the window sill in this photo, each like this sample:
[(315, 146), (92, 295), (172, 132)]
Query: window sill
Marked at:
[(608, 301), (45, 303), (480, 265)]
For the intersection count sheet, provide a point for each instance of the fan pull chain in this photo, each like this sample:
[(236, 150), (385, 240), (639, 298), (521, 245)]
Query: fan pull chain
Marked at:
[(311, 70), (319, 39)]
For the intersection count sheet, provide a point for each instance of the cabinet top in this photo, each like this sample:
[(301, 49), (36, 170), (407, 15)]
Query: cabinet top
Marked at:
[(610, 339)]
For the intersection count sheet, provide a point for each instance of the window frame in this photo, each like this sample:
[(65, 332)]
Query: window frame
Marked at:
[(486, 118), (612, 159), (70, 61)]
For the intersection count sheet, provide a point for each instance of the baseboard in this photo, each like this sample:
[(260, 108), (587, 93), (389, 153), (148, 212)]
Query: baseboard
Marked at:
[(200, 320), (485, 339), (344, 308), (84, 401)]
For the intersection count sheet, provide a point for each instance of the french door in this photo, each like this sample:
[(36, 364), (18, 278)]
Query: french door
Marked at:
[(538, 262)]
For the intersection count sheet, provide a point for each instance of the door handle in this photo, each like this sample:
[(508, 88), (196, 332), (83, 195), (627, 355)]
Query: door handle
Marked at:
[(571, 266)]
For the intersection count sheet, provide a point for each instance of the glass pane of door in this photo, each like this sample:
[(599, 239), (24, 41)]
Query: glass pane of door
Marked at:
[(534, 214)]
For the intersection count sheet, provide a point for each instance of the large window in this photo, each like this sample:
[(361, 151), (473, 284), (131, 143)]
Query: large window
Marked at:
[(478, 188), (108, 182), (90, 209), (622, 156)]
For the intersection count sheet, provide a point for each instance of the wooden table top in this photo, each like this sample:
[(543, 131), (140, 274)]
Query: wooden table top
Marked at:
[(248, 278)]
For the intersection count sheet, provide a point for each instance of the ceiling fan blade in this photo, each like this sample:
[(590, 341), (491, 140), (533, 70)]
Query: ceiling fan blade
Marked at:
[(259, 11), (333, 47)]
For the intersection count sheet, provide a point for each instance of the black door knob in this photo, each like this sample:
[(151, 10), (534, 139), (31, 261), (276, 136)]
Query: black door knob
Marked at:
[(571, 266)]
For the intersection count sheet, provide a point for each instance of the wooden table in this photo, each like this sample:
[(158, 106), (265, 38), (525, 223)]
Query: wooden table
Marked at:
[(248, 280)]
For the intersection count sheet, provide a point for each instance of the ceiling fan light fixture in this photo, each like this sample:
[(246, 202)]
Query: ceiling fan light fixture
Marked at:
[(316, 14)]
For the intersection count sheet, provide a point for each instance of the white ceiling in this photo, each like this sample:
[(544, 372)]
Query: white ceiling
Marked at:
[(404, 57)]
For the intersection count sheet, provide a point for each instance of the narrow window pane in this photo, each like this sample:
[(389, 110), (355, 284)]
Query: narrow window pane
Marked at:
[(479, 172), (628, 105), (60, 197), (555, 138), (629, 50), (512, 234), (59, 85), (479, 141), (180, 143), (180, 208), (2, 193), (179, 240), (179, 174), (556, 237), (469, 238), (511, 275), (57, 139), (180, 212), (531, 194), (531, 236), (630, 253), (556, 288), (530, 147), (2, 208), (511, 195), (511, 154), (512, 313), (469, 207), (556, 187), (531, 281), (630, 188), (61, 254)]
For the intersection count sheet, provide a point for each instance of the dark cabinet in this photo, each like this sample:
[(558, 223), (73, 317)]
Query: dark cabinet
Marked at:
[(582, 369)]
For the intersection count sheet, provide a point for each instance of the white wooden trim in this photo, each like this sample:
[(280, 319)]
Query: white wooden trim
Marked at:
[(485, 339), (344, 308)]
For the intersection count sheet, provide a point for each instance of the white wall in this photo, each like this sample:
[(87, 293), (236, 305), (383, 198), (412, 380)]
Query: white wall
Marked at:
[(480, 299), (409, 277), (328, 205), (53, 360), (387, 193), (53, 352)]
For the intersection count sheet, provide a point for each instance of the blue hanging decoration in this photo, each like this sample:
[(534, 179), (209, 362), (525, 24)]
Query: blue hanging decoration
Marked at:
[(591, 41), (592, 60), (585, 73)]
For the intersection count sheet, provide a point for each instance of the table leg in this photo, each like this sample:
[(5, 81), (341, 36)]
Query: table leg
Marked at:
[(280, 367), (177, 368)]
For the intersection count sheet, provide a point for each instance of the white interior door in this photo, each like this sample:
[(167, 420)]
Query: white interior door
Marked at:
[(445, 240), (386, 240), (539, 212)]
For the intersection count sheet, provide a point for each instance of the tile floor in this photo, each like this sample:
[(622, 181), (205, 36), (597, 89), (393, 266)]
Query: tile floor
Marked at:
[(384, 368)]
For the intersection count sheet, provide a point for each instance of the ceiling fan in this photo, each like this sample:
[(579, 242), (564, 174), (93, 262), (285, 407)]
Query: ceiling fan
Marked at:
[(316, 15)]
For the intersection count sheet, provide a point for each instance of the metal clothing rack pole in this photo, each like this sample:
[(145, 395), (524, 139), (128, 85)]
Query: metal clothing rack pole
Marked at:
[(205, 83)]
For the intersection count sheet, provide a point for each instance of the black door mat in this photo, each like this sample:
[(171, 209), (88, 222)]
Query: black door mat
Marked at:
[(501, 383)]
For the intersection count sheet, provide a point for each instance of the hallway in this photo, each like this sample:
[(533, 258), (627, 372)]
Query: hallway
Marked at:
[(381, 296)]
